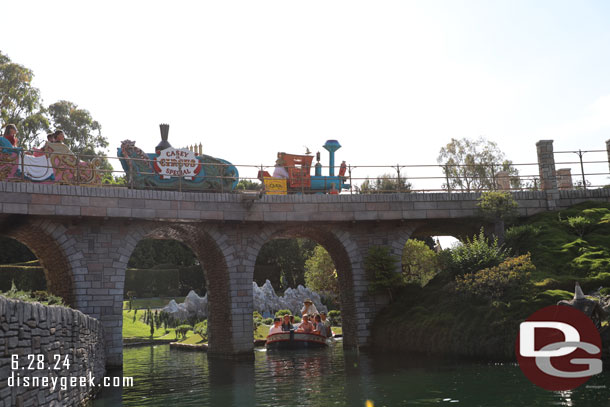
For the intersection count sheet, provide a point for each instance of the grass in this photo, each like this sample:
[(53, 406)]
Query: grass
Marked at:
[(139, 330), (559, 252)]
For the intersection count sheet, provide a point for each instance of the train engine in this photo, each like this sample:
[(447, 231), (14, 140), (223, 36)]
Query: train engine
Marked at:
[(292, 174)]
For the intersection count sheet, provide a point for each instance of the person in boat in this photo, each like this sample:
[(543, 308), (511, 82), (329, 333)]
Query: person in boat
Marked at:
[(10, 133), (306, 326), (308, 308), (326, 324), (319, 327), (276, 328), (286, 324)]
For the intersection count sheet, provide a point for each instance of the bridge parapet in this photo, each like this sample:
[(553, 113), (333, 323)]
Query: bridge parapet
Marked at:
[(106, 203)]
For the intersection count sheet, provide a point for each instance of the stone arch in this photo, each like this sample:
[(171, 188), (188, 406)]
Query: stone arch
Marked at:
[(48, 241), (204, 242), (346, 257)]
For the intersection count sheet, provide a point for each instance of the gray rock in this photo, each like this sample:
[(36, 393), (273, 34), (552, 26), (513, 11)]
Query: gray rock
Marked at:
[(264, 300)]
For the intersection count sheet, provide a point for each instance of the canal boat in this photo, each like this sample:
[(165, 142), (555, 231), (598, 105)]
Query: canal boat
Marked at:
[(296, 340)]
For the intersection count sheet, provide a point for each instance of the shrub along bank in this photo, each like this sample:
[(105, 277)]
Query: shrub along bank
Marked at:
[(474, 306)]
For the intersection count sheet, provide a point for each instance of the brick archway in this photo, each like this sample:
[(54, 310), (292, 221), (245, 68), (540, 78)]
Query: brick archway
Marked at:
[(46, 240), (345, 256), (212, 258)]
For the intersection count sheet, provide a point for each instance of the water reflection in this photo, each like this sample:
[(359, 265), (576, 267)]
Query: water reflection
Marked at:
[(331, 377)]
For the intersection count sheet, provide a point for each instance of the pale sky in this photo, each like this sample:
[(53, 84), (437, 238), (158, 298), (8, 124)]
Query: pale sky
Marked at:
[(393, 81)]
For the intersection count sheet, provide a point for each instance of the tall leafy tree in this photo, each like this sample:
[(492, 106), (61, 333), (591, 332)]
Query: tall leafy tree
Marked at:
[(20, 102), (83, 134), (321, 274), (471, 165), (419, 262), (282, 262)]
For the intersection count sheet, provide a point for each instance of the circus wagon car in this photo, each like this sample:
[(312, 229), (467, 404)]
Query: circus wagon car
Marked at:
[(171, 168), (53, 163)]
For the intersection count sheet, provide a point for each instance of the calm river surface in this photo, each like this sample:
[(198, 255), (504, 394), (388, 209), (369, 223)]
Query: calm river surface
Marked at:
[(331, 377)]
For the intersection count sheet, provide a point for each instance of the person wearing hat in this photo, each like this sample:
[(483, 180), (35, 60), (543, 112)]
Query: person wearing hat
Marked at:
[(309, 308), (280, 170)]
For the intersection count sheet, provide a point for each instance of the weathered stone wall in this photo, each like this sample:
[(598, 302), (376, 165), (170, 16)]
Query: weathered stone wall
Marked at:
[(34, 329)]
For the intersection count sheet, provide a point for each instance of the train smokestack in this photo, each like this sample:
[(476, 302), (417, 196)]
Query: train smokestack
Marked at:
[(331, 146), (164, 134)]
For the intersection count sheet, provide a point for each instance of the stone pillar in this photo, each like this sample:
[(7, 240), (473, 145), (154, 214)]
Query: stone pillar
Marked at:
[(98, 259), (564, 179), (546, 167), (503, 180), (608, 148)]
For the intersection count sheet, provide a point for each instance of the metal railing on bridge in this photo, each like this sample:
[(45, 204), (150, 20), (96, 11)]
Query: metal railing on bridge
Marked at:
[(589, 171)]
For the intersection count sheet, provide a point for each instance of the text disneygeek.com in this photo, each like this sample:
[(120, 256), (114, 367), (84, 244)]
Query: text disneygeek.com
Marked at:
[(64, 382)]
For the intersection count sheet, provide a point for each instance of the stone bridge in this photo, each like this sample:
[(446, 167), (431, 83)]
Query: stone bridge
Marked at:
[(84, 237)]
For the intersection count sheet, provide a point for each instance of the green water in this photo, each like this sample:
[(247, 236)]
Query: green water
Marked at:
[(331, 377)]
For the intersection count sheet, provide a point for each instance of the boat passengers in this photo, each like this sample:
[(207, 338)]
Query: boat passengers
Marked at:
[(318, 327), (286, 324), (326, 323), (276, 328), (309, 308), (306, 326)]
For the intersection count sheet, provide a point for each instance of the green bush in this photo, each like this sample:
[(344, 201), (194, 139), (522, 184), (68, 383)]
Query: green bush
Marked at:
[(283, 312), (40, 296), (334, 317), (579, 224), (268, 321), (474, 254), (257, 320), (498, 205), (297, 319), (380, 265), (509, 277), (520, 238), (182, 330)]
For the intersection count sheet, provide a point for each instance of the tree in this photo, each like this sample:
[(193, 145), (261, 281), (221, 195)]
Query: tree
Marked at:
[(83, 134), (282, 262), (384, 184), (380, 267), (499, 207), (321, 274), (471, 165), (419, 262), (20, 102)]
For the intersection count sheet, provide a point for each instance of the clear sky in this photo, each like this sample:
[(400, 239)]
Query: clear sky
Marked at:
[(393, 81)]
